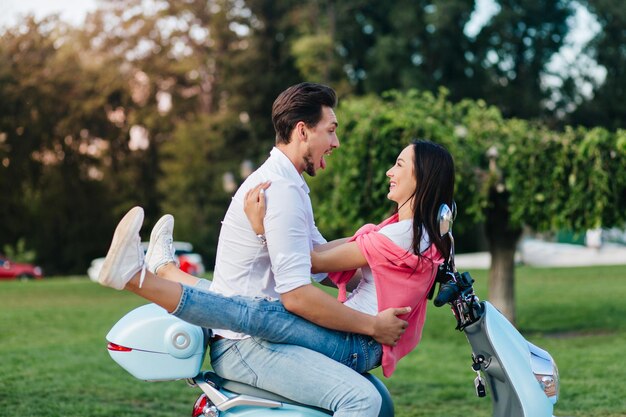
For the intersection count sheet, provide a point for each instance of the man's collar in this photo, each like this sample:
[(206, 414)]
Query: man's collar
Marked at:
[(287, 168)]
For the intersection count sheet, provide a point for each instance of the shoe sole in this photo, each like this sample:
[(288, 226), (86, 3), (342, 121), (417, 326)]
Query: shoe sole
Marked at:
[(156, 230), (128, 227)]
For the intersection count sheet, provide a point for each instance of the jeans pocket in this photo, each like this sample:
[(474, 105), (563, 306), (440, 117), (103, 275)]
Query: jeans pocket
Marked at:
[(230, 361), (218, 350)]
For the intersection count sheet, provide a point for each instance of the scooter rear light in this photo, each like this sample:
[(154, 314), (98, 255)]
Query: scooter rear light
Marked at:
[(199, 406), (118, 348)]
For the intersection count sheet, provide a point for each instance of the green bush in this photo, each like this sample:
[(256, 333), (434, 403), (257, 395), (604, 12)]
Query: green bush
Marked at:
[(574, 179), (19, 253)]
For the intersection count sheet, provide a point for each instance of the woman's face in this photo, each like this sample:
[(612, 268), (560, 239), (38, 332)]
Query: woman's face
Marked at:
[(401, 177)]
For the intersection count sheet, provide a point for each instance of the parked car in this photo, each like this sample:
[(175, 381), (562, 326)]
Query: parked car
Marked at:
[(189, 261), (18, 270)]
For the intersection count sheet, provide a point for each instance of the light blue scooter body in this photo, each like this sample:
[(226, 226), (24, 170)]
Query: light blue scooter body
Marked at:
[(508, 365), (153, 345)]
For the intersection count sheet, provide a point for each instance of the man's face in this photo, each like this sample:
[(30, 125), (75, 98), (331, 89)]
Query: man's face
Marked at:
[(322, 139)]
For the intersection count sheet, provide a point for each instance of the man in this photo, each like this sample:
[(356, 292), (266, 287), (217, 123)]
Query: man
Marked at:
[(305, 125)]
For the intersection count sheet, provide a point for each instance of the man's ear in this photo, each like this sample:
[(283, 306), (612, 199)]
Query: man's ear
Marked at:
[(301, 131)]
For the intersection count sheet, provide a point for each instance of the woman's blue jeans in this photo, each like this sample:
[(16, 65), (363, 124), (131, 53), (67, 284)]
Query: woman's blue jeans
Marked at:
[(269, 320)]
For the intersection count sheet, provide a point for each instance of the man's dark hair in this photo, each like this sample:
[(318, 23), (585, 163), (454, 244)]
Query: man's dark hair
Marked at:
[(300, 102)]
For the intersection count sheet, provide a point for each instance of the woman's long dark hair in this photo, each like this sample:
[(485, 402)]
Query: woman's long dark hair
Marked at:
[(434, 175)]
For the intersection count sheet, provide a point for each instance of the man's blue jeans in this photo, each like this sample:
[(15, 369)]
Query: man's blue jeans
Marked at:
[(297, 373), (283, 356)]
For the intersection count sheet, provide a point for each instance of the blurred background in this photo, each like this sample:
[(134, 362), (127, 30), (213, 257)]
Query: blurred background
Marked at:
[(109, 104)]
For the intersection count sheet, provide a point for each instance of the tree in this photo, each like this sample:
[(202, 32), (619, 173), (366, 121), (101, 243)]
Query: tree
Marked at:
[(86, 112), (171, 60), (398, 44), (184, 66), (49, 135), (510, 54), (95, 114), (509, 172), (606, 107), (196, 160)]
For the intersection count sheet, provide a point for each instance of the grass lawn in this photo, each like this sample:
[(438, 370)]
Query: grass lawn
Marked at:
[(53, 358)]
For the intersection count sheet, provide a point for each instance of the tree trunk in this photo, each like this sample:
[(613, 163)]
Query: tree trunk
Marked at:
[(502, 238)]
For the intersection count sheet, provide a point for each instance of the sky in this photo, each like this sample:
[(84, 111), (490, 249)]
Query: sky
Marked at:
[(72, 11)]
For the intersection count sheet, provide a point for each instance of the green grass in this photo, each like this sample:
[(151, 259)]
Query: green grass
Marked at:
[(53, 360), (577, 314)]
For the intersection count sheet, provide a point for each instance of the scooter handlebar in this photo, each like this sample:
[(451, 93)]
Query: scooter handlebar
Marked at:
[(448, 291), (457, 285)]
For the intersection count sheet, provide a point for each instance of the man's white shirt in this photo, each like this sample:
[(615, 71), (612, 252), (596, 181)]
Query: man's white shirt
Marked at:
[(243, 266)]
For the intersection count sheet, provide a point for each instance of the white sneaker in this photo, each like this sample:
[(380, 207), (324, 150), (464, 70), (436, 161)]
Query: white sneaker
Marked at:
[(161, 247), (125, 257)]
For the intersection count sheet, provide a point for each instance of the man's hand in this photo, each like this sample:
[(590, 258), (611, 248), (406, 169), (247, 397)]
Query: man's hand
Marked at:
[(388, 327)]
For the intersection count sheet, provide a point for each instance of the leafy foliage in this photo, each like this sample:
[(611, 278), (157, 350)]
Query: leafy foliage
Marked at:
[(554, 180), (195, 161), (19, 252), (50, 131), (512, 51), (606, 106), (197, 79)]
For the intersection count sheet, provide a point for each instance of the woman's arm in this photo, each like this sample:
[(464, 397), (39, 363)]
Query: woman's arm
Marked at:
[(330, 245), (254, 206), (343, 257)]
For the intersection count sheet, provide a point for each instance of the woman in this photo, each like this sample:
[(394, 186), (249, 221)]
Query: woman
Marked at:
[(398, 259)]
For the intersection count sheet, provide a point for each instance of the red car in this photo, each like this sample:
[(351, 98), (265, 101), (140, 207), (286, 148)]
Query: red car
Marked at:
[(13, 270)]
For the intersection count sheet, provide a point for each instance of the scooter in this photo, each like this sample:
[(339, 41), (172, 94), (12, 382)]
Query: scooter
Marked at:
[(153, 345), (523, 379)]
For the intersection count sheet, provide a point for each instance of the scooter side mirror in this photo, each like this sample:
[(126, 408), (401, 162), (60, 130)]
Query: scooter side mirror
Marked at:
[(445, 219)]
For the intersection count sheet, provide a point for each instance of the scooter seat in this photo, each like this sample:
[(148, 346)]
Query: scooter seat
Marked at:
[(386, 410), (245, 389)]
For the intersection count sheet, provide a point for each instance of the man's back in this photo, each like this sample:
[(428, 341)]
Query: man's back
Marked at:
[(244, 266)]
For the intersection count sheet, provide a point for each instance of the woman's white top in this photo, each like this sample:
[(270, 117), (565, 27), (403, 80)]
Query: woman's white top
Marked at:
[(363, 298)]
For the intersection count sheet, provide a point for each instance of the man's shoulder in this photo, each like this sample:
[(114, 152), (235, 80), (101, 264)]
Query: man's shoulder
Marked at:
[(284, 194), (278, 183)]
